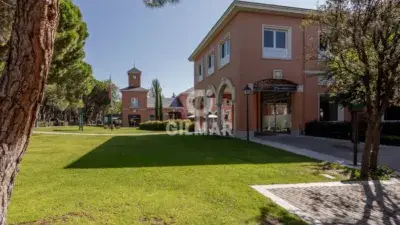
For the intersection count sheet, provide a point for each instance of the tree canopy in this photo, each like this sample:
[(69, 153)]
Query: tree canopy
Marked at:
[(363, 59)]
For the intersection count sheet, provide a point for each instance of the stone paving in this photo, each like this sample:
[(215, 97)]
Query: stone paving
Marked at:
[(360, 203)]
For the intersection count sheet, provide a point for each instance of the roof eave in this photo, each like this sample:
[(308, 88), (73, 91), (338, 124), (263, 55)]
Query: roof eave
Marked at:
[(238, 6)]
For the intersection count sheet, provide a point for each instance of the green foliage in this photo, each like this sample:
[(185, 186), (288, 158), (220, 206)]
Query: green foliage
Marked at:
[(363, 50), (55, 97), (156, 91), (159, 3), (343, 130), (163, 125), (68, 69), (383, 172)]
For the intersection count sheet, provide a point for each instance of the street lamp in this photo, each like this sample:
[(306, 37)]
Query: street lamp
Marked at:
[(247, 91)]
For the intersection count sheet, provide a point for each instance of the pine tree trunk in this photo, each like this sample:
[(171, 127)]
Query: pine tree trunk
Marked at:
[(375, 147), (22, 85)]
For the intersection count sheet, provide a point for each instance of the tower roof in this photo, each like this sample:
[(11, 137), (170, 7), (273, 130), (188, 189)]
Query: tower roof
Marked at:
[(134, 70)]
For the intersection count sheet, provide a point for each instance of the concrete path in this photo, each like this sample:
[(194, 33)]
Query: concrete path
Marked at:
[(327, 149)]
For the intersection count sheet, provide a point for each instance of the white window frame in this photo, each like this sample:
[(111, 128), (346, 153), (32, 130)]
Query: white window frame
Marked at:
[(277, 53), (227, 58), (210, 70), (340, 116), (133, 104), (200, 74)]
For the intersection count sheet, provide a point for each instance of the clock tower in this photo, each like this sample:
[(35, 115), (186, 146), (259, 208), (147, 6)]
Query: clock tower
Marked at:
[(134, 77)]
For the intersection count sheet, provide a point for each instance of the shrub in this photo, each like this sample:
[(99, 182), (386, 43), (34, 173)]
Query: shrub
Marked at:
[(383, 172), (390, 134), (340, 130), (43, 124), (162, 125)]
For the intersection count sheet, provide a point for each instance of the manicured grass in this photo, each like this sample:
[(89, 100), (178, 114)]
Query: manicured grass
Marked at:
[(92, 130), (152, 180)]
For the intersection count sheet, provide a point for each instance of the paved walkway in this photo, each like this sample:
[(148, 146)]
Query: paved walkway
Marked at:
[(329, 149), (360, 203)]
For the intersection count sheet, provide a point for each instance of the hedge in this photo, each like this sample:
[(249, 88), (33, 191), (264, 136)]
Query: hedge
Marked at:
[(162, 125), (390, 134)]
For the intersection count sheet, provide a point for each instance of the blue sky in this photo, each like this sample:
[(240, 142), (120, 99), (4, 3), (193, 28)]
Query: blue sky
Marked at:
[(159, 41)]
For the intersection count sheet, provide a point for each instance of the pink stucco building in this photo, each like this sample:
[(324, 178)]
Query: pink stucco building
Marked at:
[(137, 107), (265, 46)]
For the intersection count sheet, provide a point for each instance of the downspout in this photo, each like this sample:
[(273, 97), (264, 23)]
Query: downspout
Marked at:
[(304, 80)]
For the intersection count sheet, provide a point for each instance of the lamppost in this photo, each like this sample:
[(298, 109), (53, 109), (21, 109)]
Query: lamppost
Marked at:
[(247, 91)]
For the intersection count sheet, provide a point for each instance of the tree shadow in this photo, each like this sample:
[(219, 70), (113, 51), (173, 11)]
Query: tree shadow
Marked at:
[(388, 205), (366, 204), (164, 150)]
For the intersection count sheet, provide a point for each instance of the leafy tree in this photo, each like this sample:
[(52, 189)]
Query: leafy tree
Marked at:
[(160, 106), (23, 82), (96, 101), (363, 60), (115, 107)]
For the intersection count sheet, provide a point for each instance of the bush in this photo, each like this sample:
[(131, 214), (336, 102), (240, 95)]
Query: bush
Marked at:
[(390, 134), (383, 172), (339, 130), (162, 125)]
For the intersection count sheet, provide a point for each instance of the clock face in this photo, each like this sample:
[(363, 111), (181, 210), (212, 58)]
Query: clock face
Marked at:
[(134, 77)]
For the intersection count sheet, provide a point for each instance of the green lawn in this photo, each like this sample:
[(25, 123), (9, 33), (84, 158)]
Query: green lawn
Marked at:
[(92, 130), (151, 180)]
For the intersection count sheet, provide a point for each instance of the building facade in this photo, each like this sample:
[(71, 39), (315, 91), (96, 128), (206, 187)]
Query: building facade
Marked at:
[(265, 47), (137, 107)]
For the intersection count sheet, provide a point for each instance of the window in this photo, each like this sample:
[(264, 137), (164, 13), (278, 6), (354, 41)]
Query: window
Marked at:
[(392, 114), (276, 43), (325, 80), (134, 103), (225, 53), (134, 77), (281, 109), (200, 72), (330, 110), (322, 46), (210, 64), (227, 115)]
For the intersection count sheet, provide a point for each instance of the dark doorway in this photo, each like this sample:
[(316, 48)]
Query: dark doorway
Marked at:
[(134, 120), (175, 115)]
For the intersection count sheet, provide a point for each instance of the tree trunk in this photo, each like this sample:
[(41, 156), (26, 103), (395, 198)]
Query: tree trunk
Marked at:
[(375, 147), (22, 85), (367, 151)]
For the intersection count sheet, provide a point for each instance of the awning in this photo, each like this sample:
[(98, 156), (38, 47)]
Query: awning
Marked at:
[(274, 85)]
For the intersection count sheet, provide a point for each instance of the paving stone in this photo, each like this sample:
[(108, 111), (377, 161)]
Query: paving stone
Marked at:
[(349, 204)]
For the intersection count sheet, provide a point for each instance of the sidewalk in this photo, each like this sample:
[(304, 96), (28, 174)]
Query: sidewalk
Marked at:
[(331, 150)]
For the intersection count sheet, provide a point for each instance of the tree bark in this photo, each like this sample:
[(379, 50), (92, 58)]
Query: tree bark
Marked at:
[(367, 151), (376, 142), (22, 85)]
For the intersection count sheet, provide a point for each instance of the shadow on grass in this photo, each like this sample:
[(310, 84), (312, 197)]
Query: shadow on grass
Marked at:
[(164, 150), (271, 216)]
